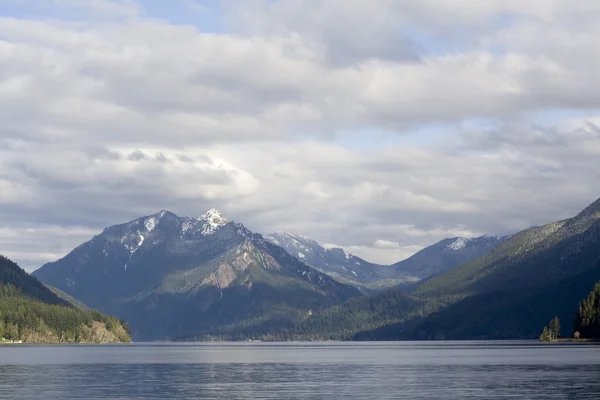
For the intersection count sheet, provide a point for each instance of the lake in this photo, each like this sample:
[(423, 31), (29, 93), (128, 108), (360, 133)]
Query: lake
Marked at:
[(394, 370)]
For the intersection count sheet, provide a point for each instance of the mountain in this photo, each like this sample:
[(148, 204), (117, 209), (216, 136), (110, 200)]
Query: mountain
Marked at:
[(347, 268), (334, 262), (177, 277), (31, 312), (510, 292), (532, 258), (518, 287), (444, 256)]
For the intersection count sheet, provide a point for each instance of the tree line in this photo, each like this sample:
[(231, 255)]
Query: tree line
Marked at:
[(551, 332), (587, 320), (23, 318), (29, 311)]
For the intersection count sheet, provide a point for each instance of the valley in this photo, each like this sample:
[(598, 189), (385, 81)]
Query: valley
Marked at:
[(208, 278)]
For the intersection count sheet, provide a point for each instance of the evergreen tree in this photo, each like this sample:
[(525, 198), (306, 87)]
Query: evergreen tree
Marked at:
[(11, 332), (551, 332), (545, 336), (554, 329), (29, 311), (587, 321)]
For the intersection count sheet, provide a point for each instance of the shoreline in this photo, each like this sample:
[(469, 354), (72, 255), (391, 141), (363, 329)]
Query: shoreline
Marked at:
[(571, 340)]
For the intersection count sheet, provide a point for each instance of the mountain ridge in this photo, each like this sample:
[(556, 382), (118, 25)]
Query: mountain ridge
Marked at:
[(519, 286), (177, 267), (434, 259), (335, 262), (32, 313), (509, 292)]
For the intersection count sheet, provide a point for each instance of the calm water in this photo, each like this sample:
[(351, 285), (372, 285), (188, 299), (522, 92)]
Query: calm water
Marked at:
[(433, 370)]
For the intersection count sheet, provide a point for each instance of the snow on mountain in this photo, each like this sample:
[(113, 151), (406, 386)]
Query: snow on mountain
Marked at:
[(137, 234), (150, 223), (156, 266), (335, 262), (132, 236), (461, 242), (213, 220), (445, 255), (442, 256), (458, 244), (188, 224)]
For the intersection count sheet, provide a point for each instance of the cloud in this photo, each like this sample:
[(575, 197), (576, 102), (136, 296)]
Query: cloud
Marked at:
[(380, 254), (489, 112), (35, 181), (32, 244), (340, 32), (74, 9), (386, 244)]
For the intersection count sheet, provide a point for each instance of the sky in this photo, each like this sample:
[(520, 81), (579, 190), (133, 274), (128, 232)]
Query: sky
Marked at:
[(380, 126)]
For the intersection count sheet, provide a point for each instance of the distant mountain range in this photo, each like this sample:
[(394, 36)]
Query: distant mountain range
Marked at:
[(510, 292), (191, 278), (177, 277), (444, 256), (334, 262), (433, 260), (520, 285)]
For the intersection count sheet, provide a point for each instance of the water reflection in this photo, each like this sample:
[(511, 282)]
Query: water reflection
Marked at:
[(402, 372)]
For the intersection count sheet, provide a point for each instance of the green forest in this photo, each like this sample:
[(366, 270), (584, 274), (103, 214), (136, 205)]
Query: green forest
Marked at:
[(552, 331), (32, 313), (587, 321)]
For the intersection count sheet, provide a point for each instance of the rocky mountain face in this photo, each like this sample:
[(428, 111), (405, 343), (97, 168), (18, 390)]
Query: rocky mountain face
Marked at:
[(174, 277)]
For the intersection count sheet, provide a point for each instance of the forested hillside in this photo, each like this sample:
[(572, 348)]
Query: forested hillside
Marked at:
[(12, 274), (201, 279), (587, 322), (344, 321), (508, 314), (32, 313), (186, 278), (508, 293), (68, 298), (511, 292)]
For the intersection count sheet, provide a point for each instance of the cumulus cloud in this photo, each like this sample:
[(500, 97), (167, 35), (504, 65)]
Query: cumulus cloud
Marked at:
[(489, 112)]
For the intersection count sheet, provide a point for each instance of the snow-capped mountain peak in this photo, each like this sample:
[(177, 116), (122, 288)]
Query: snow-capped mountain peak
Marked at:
[(458, 244), (213, 220), (133, 234), (180, 262)]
